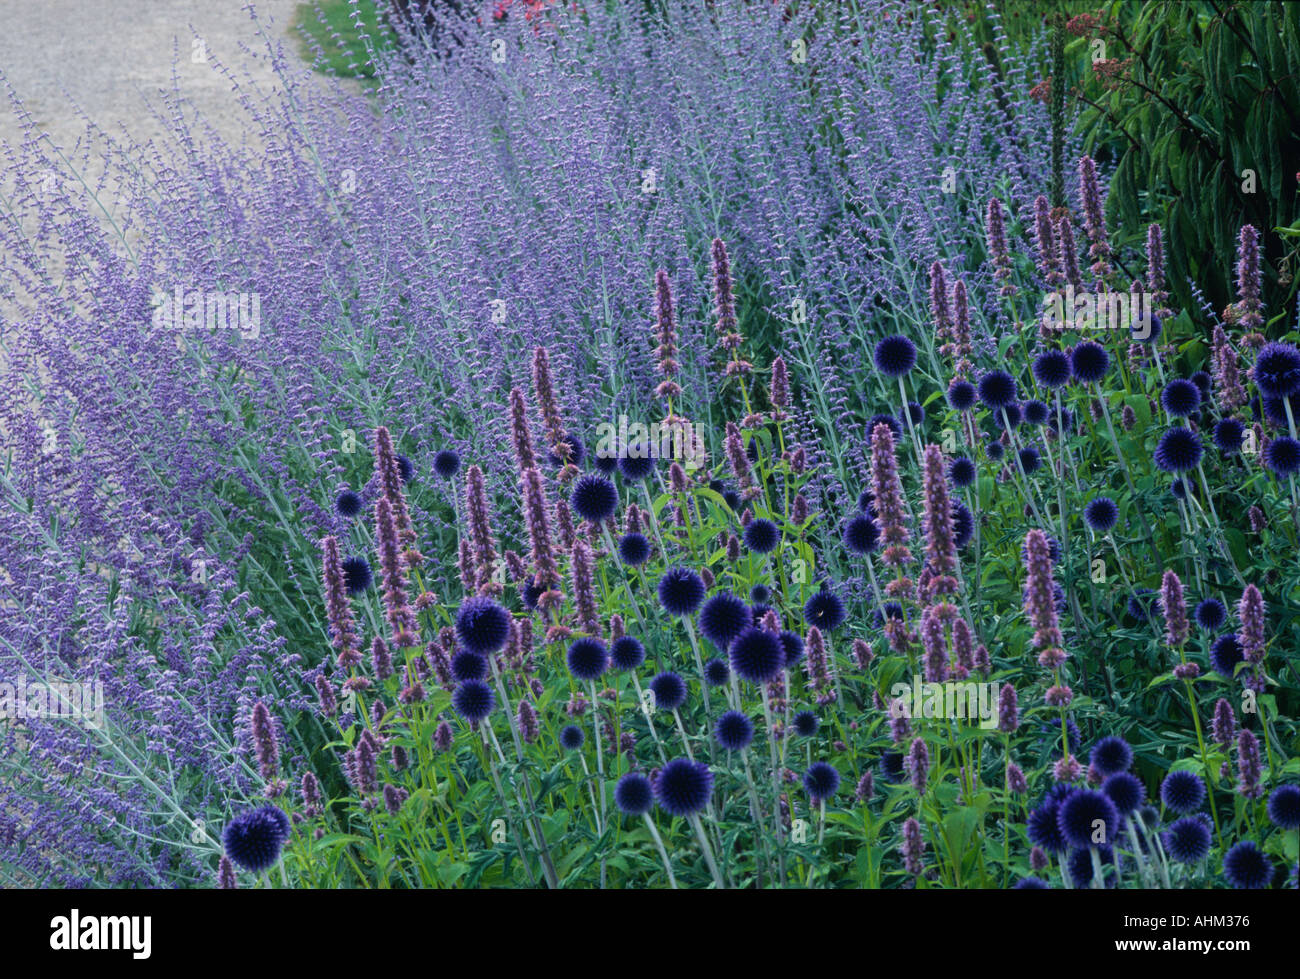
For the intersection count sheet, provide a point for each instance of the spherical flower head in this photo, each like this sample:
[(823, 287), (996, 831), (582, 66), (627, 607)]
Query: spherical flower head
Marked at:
[(821, 781), (995, 450), (1140, 603), (1246, 867), (912, 414), (446, 463), (1187, 840), (669, 690), (757, 656), (1036, 412), (1083, 873), (633, 794), (961, 471), (1043, 827), (963, 524), (997, 389), (1210, 614), (587, 658), (1052, 369), (861, 534), (348, 504), (626, 653), (405, 468), (1031, 884), (1284, 807), (254, 839), (716, 672), (482, 626), (734, 731), (1282, 455), (683, 787), (889, 421), (572, 737), (606, 463), (1125, 790), (1179, 450), (1229, 434), (1182, 791), (1110, 755), (637, 464), (723, 617), (1030, 459), (825, 610), (577, 451), (1089, 362), (895, 356), (467, 665), (762, 536), (594, 498), (792, 647), (1225, 654), (805, 723), (1080, 814), (1181, 397), (1101, 514), (357, 576), (1277, 370), (760, 594), (633, 549), (681, 591), (473, 700), (1008, 416), (961, 395)]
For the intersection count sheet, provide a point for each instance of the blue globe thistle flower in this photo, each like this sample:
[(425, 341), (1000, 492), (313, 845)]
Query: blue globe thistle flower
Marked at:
[(466, 665), (1277, 370), (961, 471), (626, 653), (637, 467), (1180, 398), (1064, 420), (482, 626), (1079, 814), (1140, 603), (1125, 790), (1157, 325), (734, 731), (577, 451), (723, 617), (1179, 488), (762, 536), (1030, 459), (751, 450), (733, 500), (805, 723), (861, 534), (1036, 412), (529, 593), (1210, 614), (347, 503), (821, 781), (997, 389), (669, 690), (963, 524), (1083, 873), (995, 450), (912, 414), (1031, 884), (1187, 840), (716, 672), (1182, 791), (757, 656), (446, 463), (681, 591), (356, 575), (1043, 828), (405, 469), (605, 463), (1225, 654), (867, 502), (792, 647), (1052, 369), (473, 700), (760, 594), (895, 356), (1012, 413), (1228, 436), (888, 610), (633, 794), (588, 658), (683, 787), (891, 766), (1178, 450), (1282, 455), (961, 395), (1111, 754), (572, 737), (758, 610), (1274, 409), (1284, 807), (1246, 867), (1202, 380), (888, 420), (824, 609), (254, 839), (1089, 362), (593, 498), (633, 549)]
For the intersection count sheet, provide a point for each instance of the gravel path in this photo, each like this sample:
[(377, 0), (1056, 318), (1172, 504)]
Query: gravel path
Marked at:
[(112, 58)]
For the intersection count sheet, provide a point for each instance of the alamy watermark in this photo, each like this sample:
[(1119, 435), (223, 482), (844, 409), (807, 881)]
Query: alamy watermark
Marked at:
[(197, 309), (1070, 310), (956, 700), (29, 699), (636, 440)]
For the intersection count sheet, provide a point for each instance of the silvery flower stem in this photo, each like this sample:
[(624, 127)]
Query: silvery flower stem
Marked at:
[(707, 850), (663, 853)]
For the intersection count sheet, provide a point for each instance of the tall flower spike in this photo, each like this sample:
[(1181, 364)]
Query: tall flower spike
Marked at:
[(1227, 374), (666, 334), (264, 742), (521, 436), (1249, 307), (1224, 727), (912, 847), (1068, 253), (545, 572), (1174, 606), (1040, 599), (961, 342), (1049, 263), (397, 608), (1249, 765), (480, 531), (226, 874), (817, 667), (549, 407), (891, 512), (390, 482), (724, 300), (1008, 709), (779, 392), (940, 540), (934, 642), (1155, 280), (584, 592), (338, 610), (918, 765), (940, 310), (735, 447), (1094, 220), (995, 235), (1250, 610)]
